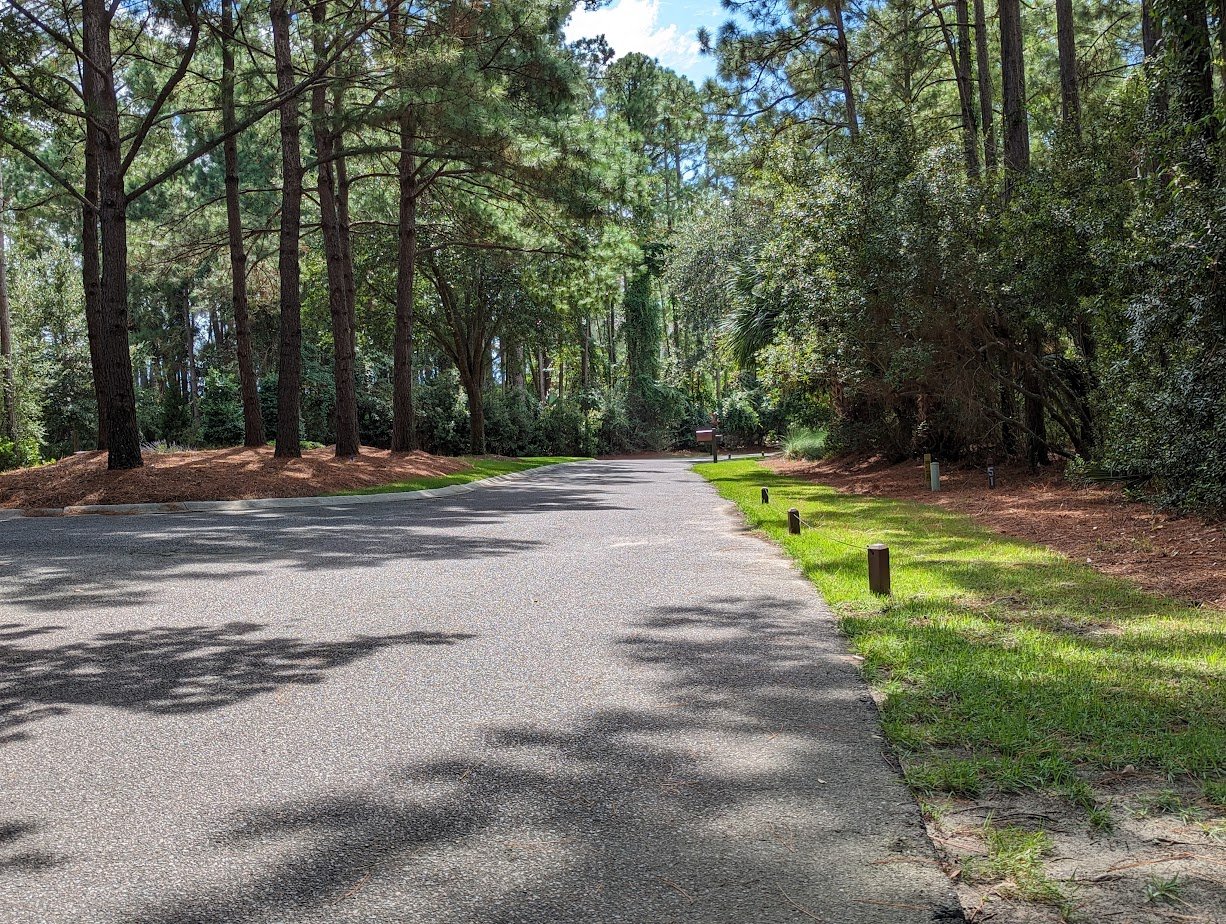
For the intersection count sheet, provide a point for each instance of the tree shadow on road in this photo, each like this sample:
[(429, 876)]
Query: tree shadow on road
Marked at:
[(170, 670), (79, 563), (18, 858), (745, 787)]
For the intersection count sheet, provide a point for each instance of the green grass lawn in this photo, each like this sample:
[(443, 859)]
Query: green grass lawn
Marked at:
[(1003, 664), (481, 468)]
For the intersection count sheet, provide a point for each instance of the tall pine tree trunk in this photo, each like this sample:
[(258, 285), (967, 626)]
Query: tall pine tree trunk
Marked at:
[(513, 362), (119, 398), (983, 71), (585, 353), (612, 324), (1151, 30), (289, 364), (476, 418), (189, 354), (1221, 41), (1017, 163), (6, 332), (91, 267), (343, 346), (1186, 32), (404, 424), (217, 330), (960, 61), (343, 227), (970, 124), (844, 58), (1013, 91), (1066, 42), (471, 367), (253, 418)]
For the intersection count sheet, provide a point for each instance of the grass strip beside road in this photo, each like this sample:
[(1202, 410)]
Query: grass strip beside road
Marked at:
[(1002, 664), (481, 468)]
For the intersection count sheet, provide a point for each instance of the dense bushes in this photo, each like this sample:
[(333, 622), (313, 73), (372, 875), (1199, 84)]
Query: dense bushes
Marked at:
[(1083, 315), (517, 423), (221, 411), (17, 454)]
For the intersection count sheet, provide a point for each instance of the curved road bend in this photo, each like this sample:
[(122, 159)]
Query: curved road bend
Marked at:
[(583, 696)]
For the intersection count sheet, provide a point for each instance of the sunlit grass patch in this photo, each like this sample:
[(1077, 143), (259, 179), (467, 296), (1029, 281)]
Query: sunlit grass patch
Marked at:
[(1001, 663), (1015, 859), (480, 468)]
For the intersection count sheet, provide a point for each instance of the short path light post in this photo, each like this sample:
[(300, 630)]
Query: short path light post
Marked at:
[(766, 495), (936, 476), (794, 521), (879, 568)]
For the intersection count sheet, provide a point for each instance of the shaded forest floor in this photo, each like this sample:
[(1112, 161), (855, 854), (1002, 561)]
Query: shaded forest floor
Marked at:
[(236, 473), (1181, 557)]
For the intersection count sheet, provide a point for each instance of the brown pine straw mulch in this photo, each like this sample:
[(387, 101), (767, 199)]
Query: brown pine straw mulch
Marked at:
[(1182, 557), (213, 474)]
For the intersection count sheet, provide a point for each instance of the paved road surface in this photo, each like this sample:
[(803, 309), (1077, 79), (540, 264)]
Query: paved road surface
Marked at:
[(584, 696)]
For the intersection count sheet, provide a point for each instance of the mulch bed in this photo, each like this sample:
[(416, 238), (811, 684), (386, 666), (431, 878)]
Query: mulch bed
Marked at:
[(1182, 557), (213, 474)]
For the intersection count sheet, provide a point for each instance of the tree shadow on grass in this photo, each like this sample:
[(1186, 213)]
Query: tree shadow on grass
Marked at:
[(1004, 649), (748, 788), (171, 670)]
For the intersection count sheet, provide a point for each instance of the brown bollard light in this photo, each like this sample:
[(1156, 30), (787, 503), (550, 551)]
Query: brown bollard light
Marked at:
[(794, 521), (766, 495), (879, 568)]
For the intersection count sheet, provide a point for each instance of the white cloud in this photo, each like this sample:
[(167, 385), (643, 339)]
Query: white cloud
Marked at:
[(634, 25)]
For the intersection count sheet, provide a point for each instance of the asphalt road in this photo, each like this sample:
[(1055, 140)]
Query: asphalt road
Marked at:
[(583, 696)]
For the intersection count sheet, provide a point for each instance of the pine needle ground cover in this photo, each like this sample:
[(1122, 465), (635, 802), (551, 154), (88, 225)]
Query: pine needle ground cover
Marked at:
[(480, 468), (1002, 667), (239, 473)]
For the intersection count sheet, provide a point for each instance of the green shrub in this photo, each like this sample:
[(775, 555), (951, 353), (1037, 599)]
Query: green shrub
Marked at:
[(375, 415), (562, 426), (805, 444), (512, 423), (221, 411), (613, 432), (175, 417), (19, 453), (442, 418), (739, 421)]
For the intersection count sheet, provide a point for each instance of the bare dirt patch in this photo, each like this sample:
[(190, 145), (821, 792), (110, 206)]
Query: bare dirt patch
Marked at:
[(1160, 858), (1181, 557), (213, 474)]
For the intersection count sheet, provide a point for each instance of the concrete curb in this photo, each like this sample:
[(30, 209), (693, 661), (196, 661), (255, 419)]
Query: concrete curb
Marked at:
[(271, 503)]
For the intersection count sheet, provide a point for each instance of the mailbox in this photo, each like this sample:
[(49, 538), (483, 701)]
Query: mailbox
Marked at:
[(704, 436)]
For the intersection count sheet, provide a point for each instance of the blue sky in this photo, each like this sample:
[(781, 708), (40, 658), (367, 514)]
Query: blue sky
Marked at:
[(663, 29)]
